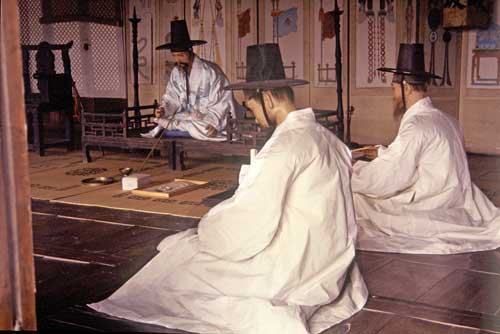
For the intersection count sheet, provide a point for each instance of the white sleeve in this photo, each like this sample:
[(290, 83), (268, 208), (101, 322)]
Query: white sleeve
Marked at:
[(245, 224), (220, 102), (394, 170)]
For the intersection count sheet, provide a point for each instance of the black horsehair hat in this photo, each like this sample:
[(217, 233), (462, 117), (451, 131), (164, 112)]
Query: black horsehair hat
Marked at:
[(411, 65), (179, 38), (265, 69)]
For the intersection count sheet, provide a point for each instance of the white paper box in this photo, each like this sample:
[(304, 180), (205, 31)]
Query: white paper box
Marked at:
[(243, 173), (135, 181)]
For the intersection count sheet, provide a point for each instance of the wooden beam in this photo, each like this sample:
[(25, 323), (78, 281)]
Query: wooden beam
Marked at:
[(17, 284)]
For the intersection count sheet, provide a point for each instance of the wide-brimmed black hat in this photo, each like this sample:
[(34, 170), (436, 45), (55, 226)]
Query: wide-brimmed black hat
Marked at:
[(265, 69), (411, 65), (179, 38)]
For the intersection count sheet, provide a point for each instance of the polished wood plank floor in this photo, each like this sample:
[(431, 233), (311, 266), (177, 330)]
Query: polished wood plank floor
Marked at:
[(82, 254)]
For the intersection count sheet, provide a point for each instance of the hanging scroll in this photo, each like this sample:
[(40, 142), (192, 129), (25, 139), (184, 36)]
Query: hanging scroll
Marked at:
[(208, 23), (375, 42), (244, 34), (284, 22), (324, 42)]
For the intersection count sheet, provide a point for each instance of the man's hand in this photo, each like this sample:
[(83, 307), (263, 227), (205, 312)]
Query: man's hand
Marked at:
[(370, 152), (160, 112), (212, 132)]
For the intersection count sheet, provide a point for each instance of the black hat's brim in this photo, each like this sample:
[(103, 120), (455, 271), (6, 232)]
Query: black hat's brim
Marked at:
[(266, 84), (187, 45), (409, 73)]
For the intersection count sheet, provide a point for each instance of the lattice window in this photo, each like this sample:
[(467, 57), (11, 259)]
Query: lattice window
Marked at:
[(97, 72), (62, 34), (98, 11), (105, 53), (103, 9), (31, 31)]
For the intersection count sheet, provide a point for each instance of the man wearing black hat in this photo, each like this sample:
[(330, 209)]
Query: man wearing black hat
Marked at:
[(194, 103), (278, 256), (417, 195)]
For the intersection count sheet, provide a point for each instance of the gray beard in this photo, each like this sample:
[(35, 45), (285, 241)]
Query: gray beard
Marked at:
[(398, 110)]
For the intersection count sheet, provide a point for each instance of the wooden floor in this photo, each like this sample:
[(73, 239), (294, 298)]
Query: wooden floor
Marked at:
[(82, 254)]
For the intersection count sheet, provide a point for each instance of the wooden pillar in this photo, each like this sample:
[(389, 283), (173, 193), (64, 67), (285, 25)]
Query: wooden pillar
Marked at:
[(338, 70), (17, 284), (135, 63)]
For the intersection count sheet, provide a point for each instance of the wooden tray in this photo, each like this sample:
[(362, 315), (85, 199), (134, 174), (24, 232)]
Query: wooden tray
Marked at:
[(171, 188)]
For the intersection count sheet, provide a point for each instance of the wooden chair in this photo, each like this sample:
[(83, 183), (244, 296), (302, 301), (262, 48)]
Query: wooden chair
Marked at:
[(54, 94)]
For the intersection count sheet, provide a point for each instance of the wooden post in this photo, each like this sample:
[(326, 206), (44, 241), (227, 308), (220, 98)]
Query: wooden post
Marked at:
[(17, 283), (417, 21), (350, 109), (338, 70), (135, 64), (257, 19)]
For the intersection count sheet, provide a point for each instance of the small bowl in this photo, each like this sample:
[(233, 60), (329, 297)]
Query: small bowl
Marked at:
[(98, 181), (126, 171)]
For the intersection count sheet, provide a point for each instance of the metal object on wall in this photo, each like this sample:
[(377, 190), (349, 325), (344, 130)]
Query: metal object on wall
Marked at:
[(446, 67), (434, 20)]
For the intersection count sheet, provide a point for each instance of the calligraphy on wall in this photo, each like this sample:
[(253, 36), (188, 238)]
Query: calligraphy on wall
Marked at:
[(145, 10), (375, 41), (284, 24), (208, 23)]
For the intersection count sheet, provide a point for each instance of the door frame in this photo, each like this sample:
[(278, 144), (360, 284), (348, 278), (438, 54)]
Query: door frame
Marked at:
[(17, 279)]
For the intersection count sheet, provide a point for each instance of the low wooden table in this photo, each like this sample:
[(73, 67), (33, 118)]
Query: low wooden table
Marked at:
[(117, 129), (123, 131)]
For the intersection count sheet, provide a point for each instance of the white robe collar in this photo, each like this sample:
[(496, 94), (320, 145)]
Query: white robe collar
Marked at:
[(195, 68), (195, 77), (417, 107), (296, 119)]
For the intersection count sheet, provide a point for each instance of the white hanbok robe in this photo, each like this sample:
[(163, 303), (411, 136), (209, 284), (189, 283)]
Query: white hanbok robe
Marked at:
[(207, 104), (277, 257), (417, 195)]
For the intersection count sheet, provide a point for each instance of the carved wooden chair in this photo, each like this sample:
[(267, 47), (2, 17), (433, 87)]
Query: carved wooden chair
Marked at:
[(54, 94)]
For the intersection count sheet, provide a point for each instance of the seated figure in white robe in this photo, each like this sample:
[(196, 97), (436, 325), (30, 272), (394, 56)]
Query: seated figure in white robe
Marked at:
[(195, 103), (417, 195), (278, 256)]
